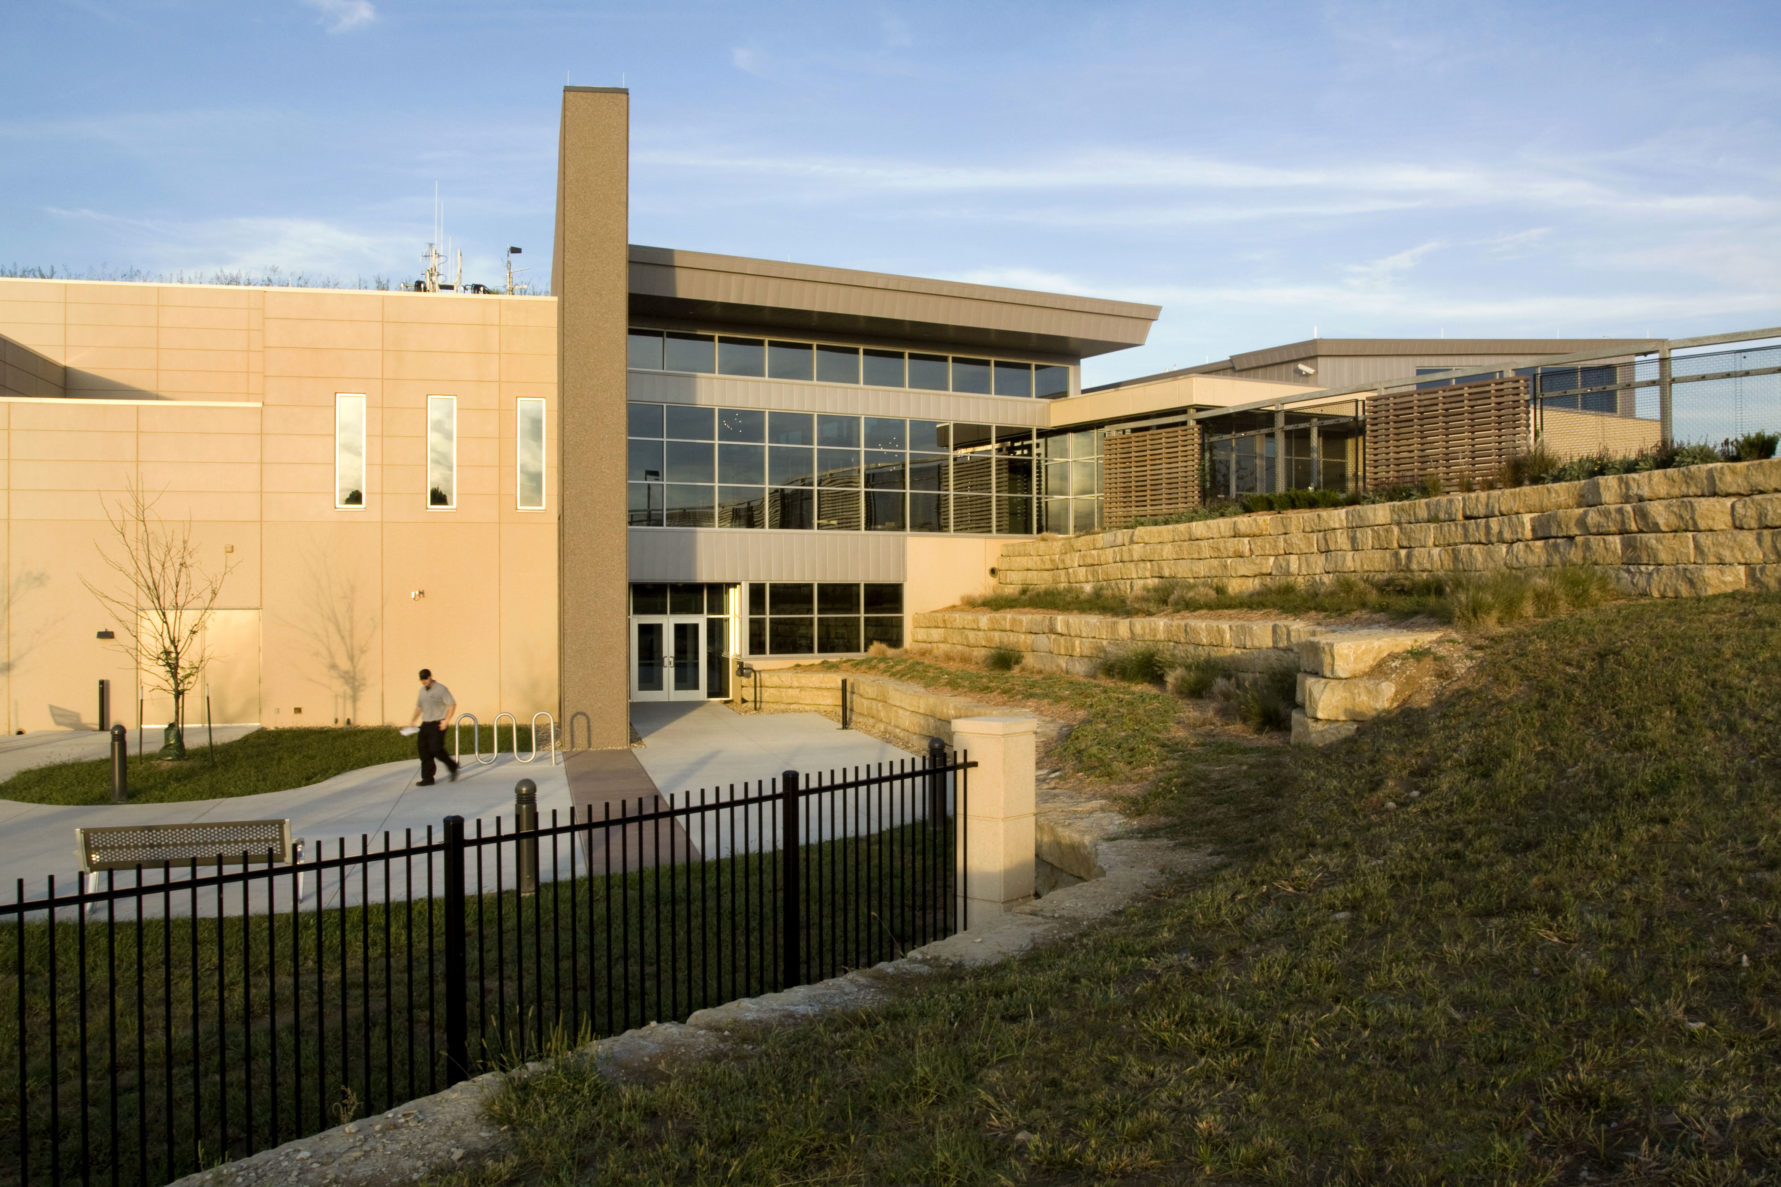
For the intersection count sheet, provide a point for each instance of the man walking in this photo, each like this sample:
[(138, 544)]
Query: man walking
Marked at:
[(433, 711)]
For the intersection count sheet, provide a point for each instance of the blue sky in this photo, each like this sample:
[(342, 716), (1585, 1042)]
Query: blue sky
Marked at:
[(1367, 169)]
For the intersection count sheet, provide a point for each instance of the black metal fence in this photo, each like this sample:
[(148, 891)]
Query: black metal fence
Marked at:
[(200, 1014)]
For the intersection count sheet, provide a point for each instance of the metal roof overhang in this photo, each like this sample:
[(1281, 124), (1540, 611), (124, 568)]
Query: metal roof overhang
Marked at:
[(701, 290)]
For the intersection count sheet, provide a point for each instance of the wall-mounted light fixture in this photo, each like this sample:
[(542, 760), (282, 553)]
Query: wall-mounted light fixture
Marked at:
[(107, 635)]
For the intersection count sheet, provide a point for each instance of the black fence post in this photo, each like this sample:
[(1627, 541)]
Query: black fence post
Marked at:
[(104, 705), (120, 770), (846, 707), (791, 915), (525, 827), (936, 780), (457, 1012)]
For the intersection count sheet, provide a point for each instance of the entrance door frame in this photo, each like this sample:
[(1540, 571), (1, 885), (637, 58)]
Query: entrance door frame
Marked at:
[(673, 664)]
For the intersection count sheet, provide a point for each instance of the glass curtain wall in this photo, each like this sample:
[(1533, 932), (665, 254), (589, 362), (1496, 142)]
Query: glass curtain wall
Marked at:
[(702, 467)]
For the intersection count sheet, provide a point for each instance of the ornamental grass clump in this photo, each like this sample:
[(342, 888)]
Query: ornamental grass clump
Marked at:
[(1144, 664), (1003, 659)]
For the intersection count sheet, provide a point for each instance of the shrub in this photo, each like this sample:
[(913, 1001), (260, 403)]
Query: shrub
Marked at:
[(1694, 455), (1194, 680), (1138, 665), (1491, 599), (1003, 659), (1266, 702), (1751, 447)]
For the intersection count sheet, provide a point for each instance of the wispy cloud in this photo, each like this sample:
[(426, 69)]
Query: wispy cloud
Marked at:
[(749, 60), (341, 15)]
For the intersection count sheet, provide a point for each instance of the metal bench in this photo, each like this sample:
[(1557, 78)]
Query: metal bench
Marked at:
[(204, 842)]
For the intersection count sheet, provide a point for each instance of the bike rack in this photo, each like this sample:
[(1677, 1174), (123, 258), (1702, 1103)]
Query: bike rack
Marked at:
[(495, 747), (457, 738), (553, 740)]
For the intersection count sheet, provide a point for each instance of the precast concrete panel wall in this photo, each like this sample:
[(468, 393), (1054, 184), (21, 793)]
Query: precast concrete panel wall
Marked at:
[(326, 610)]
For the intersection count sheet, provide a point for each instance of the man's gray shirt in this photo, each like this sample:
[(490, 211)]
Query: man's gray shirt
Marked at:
[(434, 701)]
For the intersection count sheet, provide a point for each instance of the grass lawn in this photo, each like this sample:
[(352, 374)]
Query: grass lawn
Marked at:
[(266, 760), (1530, 935)]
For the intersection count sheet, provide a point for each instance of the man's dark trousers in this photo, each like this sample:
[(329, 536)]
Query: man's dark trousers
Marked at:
[(431, 741)]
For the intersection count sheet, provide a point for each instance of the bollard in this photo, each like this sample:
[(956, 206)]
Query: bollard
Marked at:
[(104, 705), (846, 708), (936, 779), (120, 774), (525, 821)]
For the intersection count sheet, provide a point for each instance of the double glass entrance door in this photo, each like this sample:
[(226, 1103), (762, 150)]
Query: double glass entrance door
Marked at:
[(667, 659)]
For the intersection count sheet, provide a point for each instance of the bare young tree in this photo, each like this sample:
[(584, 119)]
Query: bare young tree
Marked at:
[(166, 599)]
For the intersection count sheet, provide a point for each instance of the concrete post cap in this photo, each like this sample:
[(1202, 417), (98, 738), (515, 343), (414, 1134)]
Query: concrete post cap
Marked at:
[(996, 725)]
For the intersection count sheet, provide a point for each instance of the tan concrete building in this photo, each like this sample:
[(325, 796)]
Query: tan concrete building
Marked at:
[(563, 503)]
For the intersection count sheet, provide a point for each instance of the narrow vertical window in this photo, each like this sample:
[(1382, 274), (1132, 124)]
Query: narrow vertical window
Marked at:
[(349, 451), (442, 451), (530, 446)]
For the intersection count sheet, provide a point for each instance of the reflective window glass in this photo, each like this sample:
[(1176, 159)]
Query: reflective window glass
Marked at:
[(644, 504), (349, 450), (686, 599), (929, 435), (838, 510), (644, 420), (971, 375), (743, 465), (886, 432), (884, 470), (927, 513), (883, 597), (442, 452), (690, 352), (888, 631), (688, 461), (741, 424), (689, 507), (883, 368), (785, 597), (1014, 515), (791, 465), (837, 635), (757, 636), (649, 597), (741, 507), (928, 372), (792, 636), (1014, 379), (791, 509), (838, 467), (791, 428), (884, 511), (529, 454), (966, 437), (741, 356), (1051, 382), (643, 461), (837, 430), (757, 597), (838, 364), (789, 360), (690, 423), (971, 514), (643, 350), (927, 472), (838, 597)]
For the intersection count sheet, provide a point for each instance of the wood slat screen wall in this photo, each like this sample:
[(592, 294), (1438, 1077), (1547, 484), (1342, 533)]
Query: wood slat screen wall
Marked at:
[(1149, 472), (1461, 434)]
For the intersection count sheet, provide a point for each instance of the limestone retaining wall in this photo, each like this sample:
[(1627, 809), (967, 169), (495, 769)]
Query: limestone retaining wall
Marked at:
[(902, 714), (1668, 533), (1077, 643)]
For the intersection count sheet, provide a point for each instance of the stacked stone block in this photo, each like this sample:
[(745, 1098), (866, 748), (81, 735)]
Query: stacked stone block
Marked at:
[(1666, 533), (1339, 684), (903, 714), (1078, 643)]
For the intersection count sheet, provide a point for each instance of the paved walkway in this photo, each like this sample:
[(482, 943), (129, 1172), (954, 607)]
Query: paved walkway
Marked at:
[(686, 747)]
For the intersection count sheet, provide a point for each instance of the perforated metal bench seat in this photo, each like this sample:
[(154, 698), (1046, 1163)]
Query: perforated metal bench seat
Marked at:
[(204, 842)]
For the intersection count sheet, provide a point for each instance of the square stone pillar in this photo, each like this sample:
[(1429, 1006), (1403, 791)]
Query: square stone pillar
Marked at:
[(998, 813)]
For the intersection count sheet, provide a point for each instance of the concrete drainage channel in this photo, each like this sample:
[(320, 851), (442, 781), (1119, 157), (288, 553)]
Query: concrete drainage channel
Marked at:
[(1092, 868)]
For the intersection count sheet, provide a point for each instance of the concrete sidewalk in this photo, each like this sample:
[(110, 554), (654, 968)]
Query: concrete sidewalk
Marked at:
[(45, 748), (37, 840)]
